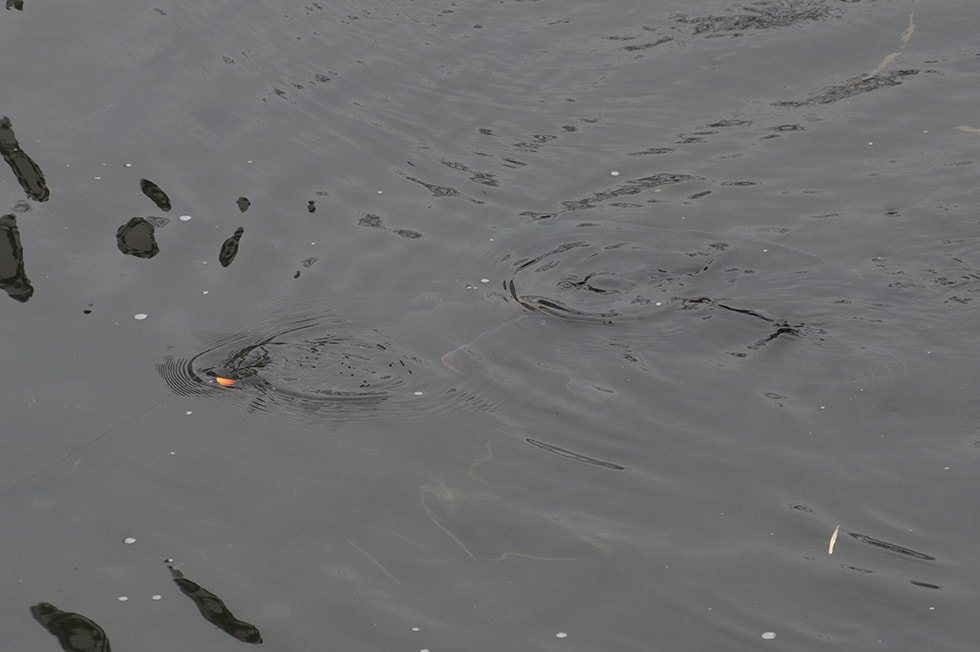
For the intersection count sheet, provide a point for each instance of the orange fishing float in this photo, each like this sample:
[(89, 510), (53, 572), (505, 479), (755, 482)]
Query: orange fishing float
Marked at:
[(224, 382)]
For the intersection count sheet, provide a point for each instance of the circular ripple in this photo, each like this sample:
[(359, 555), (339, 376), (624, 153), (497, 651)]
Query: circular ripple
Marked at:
[(304, 366), (656, 295)]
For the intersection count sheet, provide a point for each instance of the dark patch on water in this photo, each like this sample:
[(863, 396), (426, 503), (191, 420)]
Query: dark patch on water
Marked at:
[(28, 173), (137, 238), (229, 248), (760, 15), (852, 87), (156, 194)]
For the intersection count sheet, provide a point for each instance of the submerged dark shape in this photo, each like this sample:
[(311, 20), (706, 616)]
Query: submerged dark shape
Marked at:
[(852, 87), (28, 172), (75, 633), (243, 203), (761, 15), (229, 248), (136, 238), (155, 193), (13, 278), (15, 4), (214, 610)]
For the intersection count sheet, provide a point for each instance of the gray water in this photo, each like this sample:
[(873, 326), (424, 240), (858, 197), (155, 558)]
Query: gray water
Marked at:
[(552, 326)]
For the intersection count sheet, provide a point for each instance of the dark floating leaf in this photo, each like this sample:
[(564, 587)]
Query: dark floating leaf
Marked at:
[(154, 192), (229, 248), (75, 633), (136, 238), (28, 172), (214, 610), (13, 278), (243, 203), (311, 206)]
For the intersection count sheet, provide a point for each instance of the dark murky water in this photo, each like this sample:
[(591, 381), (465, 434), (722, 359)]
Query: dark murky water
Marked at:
[(467, 326)]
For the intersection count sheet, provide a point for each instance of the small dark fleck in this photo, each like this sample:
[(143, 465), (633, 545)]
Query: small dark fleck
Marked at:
[(243, 203), (311, 206)]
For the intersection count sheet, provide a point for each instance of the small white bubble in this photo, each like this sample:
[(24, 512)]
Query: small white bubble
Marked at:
[(418, 393), (140, 316), (185, 218), (204, 292), (97, 178), (484, 280), (189, 412), (380, 191), (561, 635), (614, 173), (415, 629), (156, 596), (127, 165), (129, 540), (123, 598), (659, 303), (768, 635)]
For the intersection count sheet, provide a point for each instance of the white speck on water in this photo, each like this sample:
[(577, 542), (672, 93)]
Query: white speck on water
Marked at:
[(127, 165), (156, 596), (123, 598), (659, 303), (140, 316), (561, 635), (97, 178), (415, 629), (185, 218), (614, 173), (418, 393), (129, 540), (204, 291), (484, 280), (768, 635), (189, 412), (380, 191)]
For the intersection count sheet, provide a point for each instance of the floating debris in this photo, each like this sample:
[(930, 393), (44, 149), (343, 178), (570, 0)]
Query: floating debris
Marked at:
[(229, 248), (28, 172), (243, 203), (75, 632), (136, 238), (154, 192), (833, 540)]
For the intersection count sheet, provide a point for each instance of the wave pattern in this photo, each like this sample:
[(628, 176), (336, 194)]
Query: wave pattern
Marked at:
[(307, 366)]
